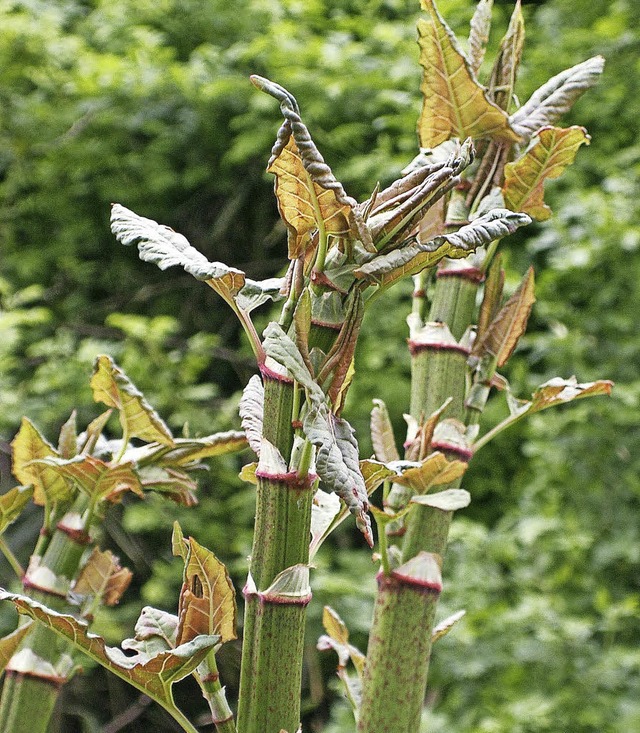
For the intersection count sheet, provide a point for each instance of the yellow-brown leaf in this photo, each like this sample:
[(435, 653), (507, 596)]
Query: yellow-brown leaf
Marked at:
[(548, 157), (454, 104), (303, 204)]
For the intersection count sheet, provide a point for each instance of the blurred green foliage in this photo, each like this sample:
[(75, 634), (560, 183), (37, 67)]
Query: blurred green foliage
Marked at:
[(149, 104)]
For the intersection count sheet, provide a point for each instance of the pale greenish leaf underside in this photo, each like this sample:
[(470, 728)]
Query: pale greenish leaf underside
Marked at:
[(382, 437), (151, 674), (111, 386), (445, 626), (552, 151), (454, 104), (449, 500), (12, 503), (251, 410), (556, 97)]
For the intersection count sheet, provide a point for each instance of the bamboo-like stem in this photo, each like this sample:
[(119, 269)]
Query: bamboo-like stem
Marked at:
[(273, 642), (393, 695), (28, 697), (214, 694)]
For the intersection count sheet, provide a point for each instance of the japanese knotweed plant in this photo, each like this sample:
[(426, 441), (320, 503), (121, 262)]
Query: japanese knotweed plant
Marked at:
[(69, 577), (478, 178)]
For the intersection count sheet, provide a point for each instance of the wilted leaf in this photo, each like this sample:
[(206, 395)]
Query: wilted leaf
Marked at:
[(504, 332), (111, 386), (102, 577), (556, 97), (151, 674), (435, 470), (29, 447), (303, 204), (553, 150), (382, 437), (207, 599), (479, 34), (454, 104), (9, 644), (12, 503)]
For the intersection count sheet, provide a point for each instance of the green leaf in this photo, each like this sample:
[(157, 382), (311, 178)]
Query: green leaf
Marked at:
[(12, 503), (504, 332), (152, 674), (68, 440), (337, 638), (207, 599), (111, 386), (556, 97), (155, 631), (479, 34), (382, 437), (491, 298), (171, 483), (454, 104), (29, 447), (255, 293), (551, 152), (187, 451), (435, 470)]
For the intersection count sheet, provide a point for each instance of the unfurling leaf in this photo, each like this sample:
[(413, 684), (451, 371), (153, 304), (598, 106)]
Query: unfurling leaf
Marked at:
[(251, 410), (325, 508), (556, 97), (152, 674), (12, 503), (454, 104), (207, 599), (111, 386), (382, 437), (435, 470), (303, 204), (554, 149), (99, 480), (413, 258), (10, 644), (337, 638), (505, 68), (155, 631), (479, 34), (29, 447), (504, 332), (103, 578), (492, 296), (558, 391), (444, 627), (68, 440)]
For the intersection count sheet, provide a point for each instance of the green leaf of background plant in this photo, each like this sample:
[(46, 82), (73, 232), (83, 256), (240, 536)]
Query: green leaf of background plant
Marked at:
[(111, 386), (454, 104), (553, 150)]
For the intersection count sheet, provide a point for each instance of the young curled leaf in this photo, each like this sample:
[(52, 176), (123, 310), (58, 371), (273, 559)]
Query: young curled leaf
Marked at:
[(435, 470), (102, 578), (479, 34), (251, 410), (12, 503), (454, 104), (382, 437), (504, 332), (551, 152), (505, 68), (445, 626), (111, 386), (556, 97)]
